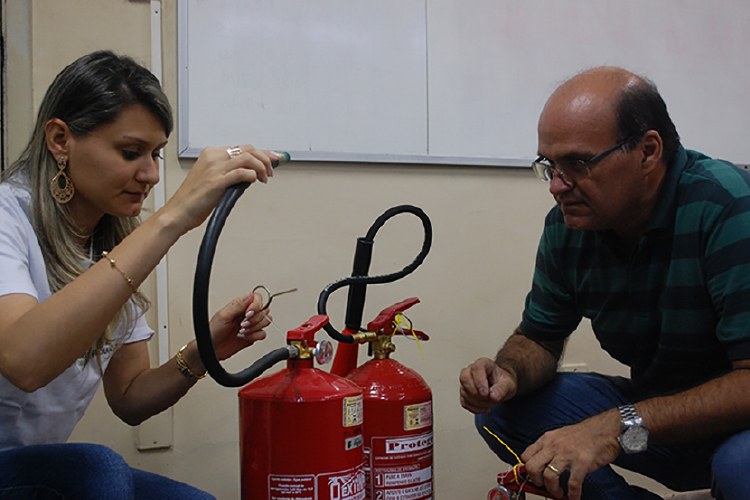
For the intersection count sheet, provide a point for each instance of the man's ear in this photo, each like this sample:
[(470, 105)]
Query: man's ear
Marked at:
[(57, 135), (652, 148)]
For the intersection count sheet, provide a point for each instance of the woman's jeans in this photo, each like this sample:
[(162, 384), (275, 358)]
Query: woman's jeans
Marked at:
[(82, 471), (572, 397)]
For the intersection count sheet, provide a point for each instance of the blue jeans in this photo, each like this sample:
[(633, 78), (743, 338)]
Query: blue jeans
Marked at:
[(571, 397), (82, 471)]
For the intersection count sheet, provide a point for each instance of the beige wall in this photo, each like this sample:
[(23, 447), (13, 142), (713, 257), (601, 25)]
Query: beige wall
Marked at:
[(17, 32), (300, 231)]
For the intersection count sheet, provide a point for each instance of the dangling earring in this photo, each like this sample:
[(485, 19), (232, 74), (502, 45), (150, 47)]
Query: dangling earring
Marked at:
[(62, 187)]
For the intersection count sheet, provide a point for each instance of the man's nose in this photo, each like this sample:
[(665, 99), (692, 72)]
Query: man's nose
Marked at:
[(558, 186)]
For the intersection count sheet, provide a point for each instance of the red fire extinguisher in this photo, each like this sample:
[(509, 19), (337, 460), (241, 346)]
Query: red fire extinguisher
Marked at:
[(398, 407), (398, 428), (301, 428)]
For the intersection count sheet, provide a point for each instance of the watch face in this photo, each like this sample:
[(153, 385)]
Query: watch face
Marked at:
[(634, 439)]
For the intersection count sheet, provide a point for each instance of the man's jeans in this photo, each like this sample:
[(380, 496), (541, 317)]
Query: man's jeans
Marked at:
[(82, 471), (571, 397)]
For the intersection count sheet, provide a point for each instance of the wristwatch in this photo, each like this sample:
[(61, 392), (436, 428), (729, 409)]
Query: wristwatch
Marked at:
[(633, 436)]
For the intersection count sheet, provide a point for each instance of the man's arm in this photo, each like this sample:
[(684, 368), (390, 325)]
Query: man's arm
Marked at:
[(520, 366), (532, 363), (718, 407)]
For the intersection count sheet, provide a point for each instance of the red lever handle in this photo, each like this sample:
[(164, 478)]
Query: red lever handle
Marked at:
[(383, 322), (306, 331)]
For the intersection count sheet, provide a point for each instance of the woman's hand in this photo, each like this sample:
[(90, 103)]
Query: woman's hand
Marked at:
[(213, 172), (136, 392), (239, 324)]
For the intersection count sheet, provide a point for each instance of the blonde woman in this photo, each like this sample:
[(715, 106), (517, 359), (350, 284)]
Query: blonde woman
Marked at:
[(72, 255)]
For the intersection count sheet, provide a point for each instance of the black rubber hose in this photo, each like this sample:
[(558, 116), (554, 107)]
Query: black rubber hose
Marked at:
[(361, 281), (355, 302), (200, 301)]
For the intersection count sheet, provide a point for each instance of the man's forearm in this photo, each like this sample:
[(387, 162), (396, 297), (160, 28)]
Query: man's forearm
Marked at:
[(716, 408), (533, 364)]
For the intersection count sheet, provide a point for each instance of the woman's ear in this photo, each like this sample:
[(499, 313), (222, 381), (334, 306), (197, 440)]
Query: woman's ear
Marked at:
[(57, 134)]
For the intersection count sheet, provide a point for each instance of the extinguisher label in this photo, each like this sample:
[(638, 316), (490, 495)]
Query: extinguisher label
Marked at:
[(418, 416), (347, 484), (291, 487), (353, 442), (352, 411), (344, 485), (409, 444), (423, 491), (400, 467)]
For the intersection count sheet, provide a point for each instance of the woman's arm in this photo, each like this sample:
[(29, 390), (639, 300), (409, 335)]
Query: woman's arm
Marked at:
[(136, 392), (39, 340)]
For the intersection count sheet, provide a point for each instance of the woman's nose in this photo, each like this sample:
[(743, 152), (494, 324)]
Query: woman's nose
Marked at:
[(149, 172)]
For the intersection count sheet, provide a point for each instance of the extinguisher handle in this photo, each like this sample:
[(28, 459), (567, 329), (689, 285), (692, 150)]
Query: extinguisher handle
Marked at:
[(384, 321), (306, 331)]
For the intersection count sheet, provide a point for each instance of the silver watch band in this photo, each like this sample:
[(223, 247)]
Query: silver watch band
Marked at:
[(628, 412)]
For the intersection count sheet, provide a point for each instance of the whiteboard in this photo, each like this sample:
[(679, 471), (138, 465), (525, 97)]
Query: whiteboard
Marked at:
[(446, 81)]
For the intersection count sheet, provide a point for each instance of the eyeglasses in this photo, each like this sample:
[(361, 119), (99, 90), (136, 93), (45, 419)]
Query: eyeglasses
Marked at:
[(571, 170)]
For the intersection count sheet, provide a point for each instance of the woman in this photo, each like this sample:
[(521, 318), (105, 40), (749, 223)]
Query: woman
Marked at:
[(72, 255)]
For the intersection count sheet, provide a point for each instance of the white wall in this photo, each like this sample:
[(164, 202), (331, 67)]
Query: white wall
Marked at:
[(300, 231)]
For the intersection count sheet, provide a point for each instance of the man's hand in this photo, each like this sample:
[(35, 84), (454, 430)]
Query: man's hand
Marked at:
[(521, 366), (484, 384), (580, 449)]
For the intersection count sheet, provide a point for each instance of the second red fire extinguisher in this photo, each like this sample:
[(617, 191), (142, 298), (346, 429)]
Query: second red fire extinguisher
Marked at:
[(398, 426), (398, 408)]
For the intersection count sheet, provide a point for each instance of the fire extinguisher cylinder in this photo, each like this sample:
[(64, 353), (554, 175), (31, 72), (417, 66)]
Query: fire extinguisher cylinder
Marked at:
[(301, 429), (398, 428)]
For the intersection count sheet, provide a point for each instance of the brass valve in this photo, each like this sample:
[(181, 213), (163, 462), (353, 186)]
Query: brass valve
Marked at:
[(362, 337), (383, 346), (304, 351)]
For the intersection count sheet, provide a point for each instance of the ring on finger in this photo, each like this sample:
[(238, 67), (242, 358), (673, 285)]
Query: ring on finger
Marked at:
[(553, 469), (234, 151)]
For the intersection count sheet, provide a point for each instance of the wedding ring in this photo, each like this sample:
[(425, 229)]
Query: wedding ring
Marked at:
[(234, 151), (554, 469)]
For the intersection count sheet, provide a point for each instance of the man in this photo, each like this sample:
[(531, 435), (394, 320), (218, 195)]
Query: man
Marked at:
[(651, 242)]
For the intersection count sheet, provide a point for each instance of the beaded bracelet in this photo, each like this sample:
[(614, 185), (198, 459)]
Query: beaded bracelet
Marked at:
[(184, 368), (113, 265)]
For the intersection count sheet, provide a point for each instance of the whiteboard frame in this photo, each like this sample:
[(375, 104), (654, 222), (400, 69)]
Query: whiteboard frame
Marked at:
[(185, 150)]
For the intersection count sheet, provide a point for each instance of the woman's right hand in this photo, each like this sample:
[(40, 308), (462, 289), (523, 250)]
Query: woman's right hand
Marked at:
[(213, 172)]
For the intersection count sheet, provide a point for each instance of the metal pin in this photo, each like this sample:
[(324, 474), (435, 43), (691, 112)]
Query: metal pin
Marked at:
[(269, 295)]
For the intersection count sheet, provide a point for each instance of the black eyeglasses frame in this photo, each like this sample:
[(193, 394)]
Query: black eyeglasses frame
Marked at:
[(545, 170)]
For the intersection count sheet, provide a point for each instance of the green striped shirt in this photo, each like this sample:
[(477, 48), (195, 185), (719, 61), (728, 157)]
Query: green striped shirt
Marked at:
[(676, 307)]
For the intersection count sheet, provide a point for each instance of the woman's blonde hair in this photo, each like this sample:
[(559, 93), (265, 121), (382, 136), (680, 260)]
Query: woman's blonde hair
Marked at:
[(90, 92)]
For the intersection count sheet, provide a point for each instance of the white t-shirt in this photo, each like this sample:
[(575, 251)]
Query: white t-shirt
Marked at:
[(49, 414)]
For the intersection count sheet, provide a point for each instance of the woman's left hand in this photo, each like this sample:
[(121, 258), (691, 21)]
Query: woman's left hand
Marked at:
[(239, 324)]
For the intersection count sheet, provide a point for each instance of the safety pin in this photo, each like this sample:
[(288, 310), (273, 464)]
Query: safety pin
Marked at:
[(270, 295)]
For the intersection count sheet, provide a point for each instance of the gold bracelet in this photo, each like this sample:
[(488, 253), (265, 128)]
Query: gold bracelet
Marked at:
[(184, 368), (129, 280)]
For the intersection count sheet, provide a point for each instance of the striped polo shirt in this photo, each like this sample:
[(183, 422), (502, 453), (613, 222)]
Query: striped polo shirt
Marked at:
[(675, 308)]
